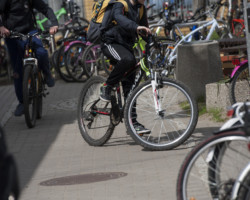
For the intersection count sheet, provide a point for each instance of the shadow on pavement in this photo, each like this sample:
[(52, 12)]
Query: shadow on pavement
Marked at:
[(31, 146)]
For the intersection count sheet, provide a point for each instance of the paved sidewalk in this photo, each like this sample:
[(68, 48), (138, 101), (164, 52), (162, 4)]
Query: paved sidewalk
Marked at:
[(55, 149)]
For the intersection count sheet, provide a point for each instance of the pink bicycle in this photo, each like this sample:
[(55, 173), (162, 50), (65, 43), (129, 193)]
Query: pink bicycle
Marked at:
[(239, 90)]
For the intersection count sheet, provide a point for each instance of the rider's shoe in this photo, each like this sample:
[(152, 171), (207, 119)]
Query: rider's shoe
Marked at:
[(50, 81), (140, 129), (19, 110), (105, 92)]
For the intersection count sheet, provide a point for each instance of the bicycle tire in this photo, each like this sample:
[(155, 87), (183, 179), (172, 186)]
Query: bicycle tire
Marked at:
[(244, 190), (54, 59), (96, 129), (73, 58), (29, 96), (179, 104), (240, 85), (194, 182), (60, 65), (39, 95), (79, 21), (94, 61)]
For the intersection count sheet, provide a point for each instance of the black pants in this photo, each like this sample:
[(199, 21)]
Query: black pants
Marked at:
[(122, 59)]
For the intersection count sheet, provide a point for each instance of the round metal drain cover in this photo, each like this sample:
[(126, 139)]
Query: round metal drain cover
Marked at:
[(83, 179)]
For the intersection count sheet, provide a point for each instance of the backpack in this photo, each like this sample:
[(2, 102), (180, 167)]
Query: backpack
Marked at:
[(101, 18)]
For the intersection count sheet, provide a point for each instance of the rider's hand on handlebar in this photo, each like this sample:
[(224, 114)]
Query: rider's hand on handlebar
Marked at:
[(4, 32), (143, 30), (53, 30)]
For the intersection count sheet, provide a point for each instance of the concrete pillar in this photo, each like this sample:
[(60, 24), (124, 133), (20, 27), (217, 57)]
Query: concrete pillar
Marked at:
[(198, 63)]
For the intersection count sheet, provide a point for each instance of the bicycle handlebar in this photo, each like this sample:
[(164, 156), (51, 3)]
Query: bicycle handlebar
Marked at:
[(14, 34)]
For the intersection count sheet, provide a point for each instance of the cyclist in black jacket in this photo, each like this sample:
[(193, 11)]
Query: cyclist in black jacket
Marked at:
[(17, 15), (118, 41)]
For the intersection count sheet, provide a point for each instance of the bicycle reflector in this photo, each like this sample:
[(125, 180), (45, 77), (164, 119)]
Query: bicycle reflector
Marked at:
[(144, 67), (66, 43), (236, 61), (230, 112)]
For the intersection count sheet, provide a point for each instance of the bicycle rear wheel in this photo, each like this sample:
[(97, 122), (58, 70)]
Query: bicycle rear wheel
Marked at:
[(95, 126), (211, 168), (94, 61), (61, 67), (169, 127), (73, 58), (239, 89), (29, 96)]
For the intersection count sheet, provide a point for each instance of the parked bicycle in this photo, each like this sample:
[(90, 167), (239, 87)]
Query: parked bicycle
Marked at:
[(239, 89), (169, 59), (34, 87), (231, 12), (67, 70), (219, 167), (167, 107), (70, 11)]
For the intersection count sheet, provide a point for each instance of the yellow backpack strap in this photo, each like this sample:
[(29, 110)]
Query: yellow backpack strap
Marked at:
[(124, 3)]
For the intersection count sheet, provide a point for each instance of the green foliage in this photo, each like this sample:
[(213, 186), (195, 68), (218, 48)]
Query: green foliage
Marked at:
[(217, 114)]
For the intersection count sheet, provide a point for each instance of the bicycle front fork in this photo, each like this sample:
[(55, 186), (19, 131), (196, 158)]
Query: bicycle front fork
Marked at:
[(155, 88)]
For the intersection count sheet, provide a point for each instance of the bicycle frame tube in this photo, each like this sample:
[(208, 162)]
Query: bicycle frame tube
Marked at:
[(58, 14), (214, 24), (141, 44), (154, 83), (241, 22), (237, 68)]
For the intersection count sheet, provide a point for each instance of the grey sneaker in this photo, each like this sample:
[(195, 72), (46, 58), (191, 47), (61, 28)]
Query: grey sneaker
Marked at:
[(19, 110), (140, 129), (105, 92)]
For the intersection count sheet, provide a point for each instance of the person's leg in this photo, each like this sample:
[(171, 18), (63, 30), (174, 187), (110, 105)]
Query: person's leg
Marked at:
[(16, 53), (123, 60), (43, 61)]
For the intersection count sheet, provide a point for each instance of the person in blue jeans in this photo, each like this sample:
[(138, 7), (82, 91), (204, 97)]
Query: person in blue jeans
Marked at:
[(18, 16)]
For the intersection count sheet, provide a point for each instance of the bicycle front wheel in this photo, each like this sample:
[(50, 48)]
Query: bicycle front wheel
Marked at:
[(29, 96), (239, 90), (211, 168), (172, 125), (40, 88), (244, 190), (93, 114)]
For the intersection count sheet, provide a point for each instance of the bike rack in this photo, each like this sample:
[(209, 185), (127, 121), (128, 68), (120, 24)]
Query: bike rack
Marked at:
[(247, 26)]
